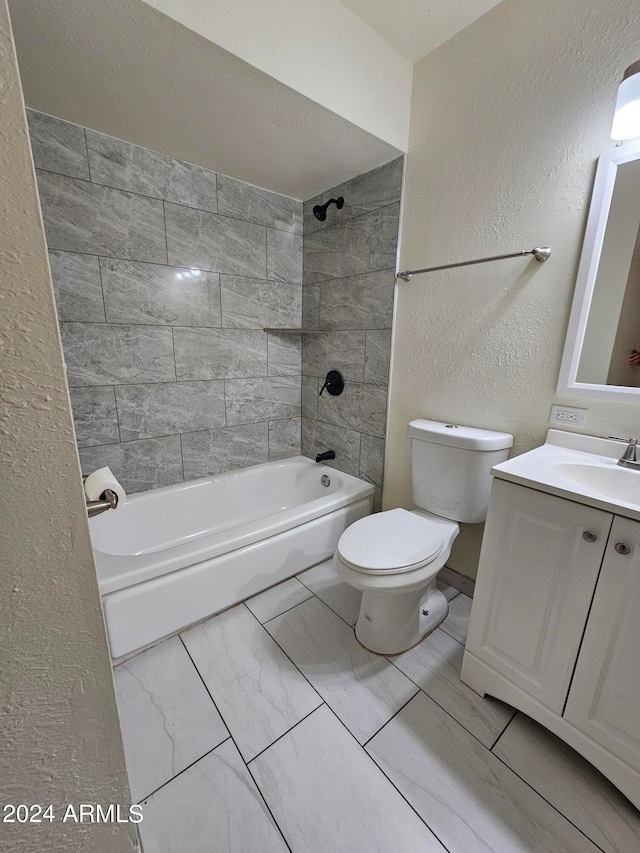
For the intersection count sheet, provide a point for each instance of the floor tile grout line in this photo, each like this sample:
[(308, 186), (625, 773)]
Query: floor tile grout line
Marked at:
[(288, 610), (401, 708), (550, 804), (421, 690), (320, 597), (184, 770), (375, 763), (511, 719), (277, 825), (284, 734), (357, 741)]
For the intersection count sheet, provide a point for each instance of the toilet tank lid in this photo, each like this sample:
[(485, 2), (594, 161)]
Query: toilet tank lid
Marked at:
[(454, 435)]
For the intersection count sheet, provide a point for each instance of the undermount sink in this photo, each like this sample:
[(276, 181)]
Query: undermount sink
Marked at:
[(611, 481), (582, 468)]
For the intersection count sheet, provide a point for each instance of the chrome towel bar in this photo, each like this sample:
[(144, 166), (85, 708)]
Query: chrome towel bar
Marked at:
[(541, 254)]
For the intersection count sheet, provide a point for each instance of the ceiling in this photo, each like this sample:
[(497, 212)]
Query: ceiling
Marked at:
[(123, 68), (416, 27)]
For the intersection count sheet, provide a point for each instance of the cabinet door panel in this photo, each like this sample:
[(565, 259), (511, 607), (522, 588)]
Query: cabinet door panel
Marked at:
[(535, 583), (604, 700)]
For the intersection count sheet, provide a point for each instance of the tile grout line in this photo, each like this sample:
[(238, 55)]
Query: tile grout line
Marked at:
[(257, 787), (288, 731), (511, 719), (166, 200), (288, 609), (377, 766), (184, 770), (401, 708), (550, 804)]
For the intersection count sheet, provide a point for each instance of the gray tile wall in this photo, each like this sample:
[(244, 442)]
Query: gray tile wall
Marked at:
[(165, 275), (349, 279)]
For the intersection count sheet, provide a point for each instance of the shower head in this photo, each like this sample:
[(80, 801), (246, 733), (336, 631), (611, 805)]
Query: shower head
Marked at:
[(320, 210)]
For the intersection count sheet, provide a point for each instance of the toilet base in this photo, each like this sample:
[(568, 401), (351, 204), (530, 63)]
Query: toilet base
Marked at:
[(390, 623)]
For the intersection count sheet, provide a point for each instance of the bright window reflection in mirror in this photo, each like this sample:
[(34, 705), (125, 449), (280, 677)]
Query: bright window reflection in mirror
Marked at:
[(602, 351)]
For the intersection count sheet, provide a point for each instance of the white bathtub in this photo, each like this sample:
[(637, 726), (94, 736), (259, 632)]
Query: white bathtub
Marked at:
[(175, 555)]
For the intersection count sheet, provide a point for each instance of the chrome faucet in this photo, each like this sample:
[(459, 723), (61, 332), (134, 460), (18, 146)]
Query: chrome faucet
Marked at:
[(629, 458)]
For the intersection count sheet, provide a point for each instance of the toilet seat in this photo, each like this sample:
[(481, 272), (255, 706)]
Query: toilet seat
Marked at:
[(390, 543)]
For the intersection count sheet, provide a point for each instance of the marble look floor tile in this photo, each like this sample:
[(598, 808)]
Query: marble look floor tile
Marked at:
[(272, 602), (364, 690), (83, 217), (457, 622), (377, 357), (130, 167), (95, 416), (360, 407), (244, 201), (77, 287), (219, 353), (58, 146), (196, 238), (139, 465), (167, 717), (215, 451), (328, 797), (372, 459), (323, 581), (251, 303), (156, 294), (145, 411), (449, 592), (257, 689), (358, 302), (468, 797), (212, 806), (571, 784), (252, 400), (318, 437), (284, 354), (284, 439), (434, 665), (110, 354), (284, 256)]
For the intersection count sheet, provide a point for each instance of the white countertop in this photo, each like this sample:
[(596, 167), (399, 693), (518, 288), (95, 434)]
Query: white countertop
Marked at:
[(580, 468)]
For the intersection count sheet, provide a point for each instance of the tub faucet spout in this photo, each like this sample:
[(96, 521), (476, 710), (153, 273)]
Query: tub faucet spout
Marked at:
[(323, 457)]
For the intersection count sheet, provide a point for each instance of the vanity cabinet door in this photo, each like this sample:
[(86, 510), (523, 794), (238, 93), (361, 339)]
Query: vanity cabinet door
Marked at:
[(538, 569), (604, 700)]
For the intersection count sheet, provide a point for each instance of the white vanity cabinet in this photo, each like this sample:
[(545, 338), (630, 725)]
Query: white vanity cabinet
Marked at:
[(555, 623)]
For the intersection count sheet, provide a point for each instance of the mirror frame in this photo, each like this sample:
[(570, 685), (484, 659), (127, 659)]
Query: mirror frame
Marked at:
[(604, 184)]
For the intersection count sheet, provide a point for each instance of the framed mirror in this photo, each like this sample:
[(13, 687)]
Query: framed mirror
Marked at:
[(602, 350)]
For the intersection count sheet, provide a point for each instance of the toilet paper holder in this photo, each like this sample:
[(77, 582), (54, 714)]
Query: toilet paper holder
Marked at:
[(108, 500)]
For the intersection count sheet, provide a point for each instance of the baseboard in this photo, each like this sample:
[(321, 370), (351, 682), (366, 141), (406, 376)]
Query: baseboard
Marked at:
[(457, 581)]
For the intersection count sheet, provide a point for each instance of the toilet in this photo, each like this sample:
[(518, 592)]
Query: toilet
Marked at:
[(393, 557)]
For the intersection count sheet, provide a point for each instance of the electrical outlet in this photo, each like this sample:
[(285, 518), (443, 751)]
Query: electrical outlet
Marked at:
[(568, 416)]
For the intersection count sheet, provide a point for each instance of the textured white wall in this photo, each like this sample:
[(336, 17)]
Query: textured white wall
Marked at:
[(60, 733), (322, 50), (507, 121)]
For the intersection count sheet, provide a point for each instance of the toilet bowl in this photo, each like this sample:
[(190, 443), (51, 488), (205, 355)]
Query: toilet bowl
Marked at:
[(393, 557)]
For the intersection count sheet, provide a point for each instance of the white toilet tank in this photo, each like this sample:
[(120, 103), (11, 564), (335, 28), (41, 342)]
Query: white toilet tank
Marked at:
[(451, 468)]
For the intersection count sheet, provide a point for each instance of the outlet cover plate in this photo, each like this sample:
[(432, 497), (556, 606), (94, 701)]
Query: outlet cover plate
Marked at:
[(568, 416)]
